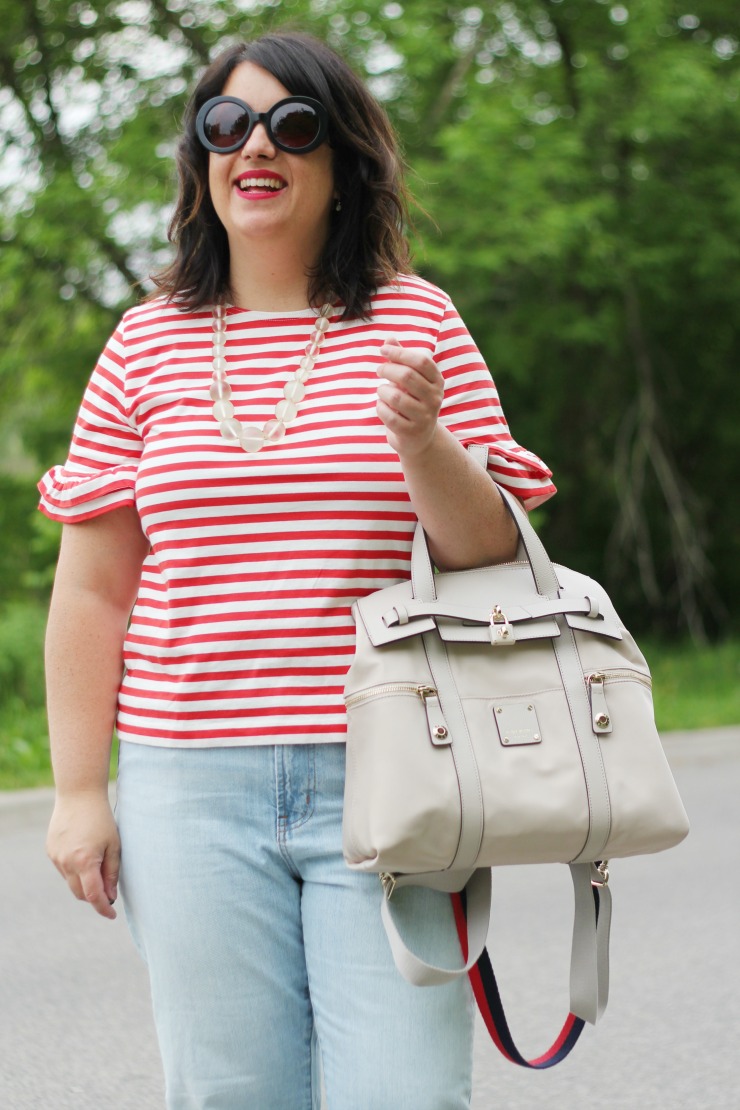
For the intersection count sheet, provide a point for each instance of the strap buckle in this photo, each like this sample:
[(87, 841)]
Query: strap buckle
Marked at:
[(602, 868), (388, 882)]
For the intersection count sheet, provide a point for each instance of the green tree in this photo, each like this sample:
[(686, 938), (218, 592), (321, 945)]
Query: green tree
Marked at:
[(589, 207)]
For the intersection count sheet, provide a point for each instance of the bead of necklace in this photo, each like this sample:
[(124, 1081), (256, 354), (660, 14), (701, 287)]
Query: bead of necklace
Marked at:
[(251, 437)]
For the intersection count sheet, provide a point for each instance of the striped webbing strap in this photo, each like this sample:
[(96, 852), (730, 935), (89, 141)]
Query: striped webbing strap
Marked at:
[(488, 999)]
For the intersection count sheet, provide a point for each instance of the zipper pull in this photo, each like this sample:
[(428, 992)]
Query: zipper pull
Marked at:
[(600, 719), (438, 730)]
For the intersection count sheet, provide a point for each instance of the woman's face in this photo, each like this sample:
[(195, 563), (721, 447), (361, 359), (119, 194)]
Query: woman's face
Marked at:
[(260, 192)]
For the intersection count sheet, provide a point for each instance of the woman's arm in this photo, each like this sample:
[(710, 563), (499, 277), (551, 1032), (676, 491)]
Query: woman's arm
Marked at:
[(95, 588), (460, 509)]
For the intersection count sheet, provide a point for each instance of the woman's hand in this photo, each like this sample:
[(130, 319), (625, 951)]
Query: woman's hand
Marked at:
[(84, 846), (410, 398), (455, 501)]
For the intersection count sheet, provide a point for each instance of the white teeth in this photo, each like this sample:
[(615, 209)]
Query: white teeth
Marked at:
[(259, 183)]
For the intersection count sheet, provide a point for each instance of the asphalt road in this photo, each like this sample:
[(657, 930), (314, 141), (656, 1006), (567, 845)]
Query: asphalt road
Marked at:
[(76, 1031)]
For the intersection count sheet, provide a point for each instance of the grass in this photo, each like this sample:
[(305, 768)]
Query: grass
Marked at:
[(693, 687), (24, 747)]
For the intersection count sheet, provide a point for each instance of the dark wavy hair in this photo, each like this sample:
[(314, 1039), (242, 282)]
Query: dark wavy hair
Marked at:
[(367, 244)]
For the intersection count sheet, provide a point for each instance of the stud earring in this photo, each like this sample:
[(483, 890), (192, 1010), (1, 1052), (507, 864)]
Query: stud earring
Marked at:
[(338, 205)]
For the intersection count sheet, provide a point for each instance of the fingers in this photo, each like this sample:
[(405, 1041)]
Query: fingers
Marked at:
[(413, 376), (94, 892), (402, 402), (409, 397), (411, 368), (109, 873), (93, 884)]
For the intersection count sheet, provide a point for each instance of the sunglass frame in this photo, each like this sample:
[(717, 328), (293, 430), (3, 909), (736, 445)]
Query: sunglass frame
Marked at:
[(265, 119)]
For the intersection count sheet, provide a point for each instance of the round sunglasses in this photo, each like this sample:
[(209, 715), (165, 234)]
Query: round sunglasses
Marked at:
[(296, 124)]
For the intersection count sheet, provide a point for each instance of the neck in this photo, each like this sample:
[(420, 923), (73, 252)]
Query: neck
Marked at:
[(262, 277)]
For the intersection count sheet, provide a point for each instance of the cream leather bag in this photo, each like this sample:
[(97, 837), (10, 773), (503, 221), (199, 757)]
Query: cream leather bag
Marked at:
[(502, 715)]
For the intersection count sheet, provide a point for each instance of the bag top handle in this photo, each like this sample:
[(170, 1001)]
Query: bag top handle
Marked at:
[(422, 570)]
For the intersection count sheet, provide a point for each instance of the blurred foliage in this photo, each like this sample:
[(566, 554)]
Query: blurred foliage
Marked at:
[(695, 687), (576, 168), (589, 214), (24, 748)]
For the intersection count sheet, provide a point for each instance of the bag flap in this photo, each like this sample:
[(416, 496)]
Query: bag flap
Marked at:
[(465, 600)]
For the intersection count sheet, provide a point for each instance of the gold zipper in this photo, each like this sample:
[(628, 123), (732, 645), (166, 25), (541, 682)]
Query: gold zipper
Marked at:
[(624, 675), (419, 689), (596, 683), (439, 733)]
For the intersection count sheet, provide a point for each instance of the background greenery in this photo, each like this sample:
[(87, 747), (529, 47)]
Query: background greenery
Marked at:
[(576, 162)]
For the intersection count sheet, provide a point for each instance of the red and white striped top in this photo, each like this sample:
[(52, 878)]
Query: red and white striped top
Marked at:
[(242, 633)]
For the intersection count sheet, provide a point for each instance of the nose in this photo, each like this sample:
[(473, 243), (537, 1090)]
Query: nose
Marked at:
[(258, 144)]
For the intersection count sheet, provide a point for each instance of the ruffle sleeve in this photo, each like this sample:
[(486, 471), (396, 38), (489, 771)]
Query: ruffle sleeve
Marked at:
[(471, 409), (518, 470), (71, 495), (101, 469)]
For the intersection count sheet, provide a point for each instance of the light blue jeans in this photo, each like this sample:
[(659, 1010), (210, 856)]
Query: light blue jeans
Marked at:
[(261, 943)]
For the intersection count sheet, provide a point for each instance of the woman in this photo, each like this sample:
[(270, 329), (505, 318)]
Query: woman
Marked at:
[(251, 455)]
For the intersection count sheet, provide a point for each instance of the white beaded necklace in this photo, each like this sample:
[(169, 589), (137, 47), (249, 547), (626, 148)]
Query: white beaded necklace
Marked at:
[(252, 438)]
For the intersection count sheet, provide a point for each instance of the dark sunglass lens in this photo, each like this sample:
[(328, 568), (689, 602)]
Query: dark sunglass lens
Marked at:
[(226, 124), (295, 125)]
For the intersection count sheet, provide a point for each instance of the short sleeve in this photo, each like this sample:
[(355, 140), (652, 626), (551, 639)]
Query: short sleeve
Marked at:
[(100, 471), (472, 411)]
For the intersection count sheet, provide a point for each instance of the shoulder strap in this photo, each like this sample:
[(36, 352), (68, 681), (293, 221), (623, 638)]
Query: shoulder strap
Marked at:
[(488, 998), (589, 961)]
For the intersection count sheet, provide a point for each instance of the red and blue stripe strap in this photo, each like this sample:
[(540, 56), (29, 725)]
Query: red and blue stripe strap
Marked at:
[(485, 989)]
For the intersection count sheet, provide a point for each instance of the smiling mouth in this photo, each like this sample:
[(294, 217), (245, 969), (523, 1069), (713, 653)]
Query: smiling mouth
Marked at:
[(264, 184)]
